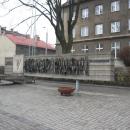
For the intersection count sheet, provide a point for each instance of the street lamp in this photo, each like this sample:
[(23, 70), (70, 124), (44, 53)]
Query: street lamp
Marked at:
[(46, 40)]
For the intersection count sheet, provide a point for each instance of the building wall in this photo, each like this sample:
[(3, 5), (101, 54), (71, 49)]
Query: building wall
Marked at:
[(7, 49), (10, 49), (106, 18), (20, 49), (78, 46)]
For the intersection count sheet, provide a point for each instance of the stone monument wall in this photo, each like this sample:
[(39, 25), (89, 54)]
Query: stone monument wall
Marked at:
[(69, 66)]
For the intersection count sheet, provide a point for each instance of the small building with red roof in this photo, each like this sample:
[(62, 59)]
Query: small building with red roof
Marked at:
[(13, 43)]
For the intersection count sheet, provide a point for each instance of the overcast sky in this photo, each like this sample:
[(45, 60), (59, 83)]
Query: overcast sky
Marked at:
[(16, 16)]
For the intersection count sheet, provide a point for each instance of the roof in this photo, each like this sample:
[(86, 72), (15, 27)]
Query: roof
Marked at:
[(25, 41)]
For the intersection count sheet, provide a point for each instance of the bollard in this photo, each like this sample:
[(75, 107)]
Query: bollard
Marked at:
[(77, 86)]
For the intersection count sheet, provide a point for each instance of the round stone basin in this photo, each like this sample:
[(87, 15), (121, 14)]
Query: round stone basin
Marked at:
[(66, 91)]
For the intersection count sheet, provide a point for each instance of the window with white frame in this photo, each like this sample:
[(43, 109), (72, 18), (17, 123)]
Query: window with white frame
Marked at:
[(129, 43), (74, 14), (99, 47), (129, 4), (74, 32), (99, 10), (85, 49), (85, 13), (84, 31), (115, 27), (115, 48), (115, 6), (128, 24), (99, 29)]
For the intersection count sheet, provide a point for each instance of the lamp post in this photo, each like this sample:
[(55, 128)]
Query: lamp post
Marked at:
[(46, 40)]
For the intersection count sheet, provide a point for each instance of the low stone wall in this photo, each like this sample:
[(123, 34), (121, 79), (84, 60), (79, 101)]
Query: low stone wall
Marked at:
[(101, 67), (82, 67), (8, 65)]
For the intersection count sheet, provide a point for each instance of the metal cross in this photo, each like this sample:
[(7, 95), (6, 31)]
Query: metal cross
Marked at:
[(99, 48), (115, 47), (72, 50), (85, 49)]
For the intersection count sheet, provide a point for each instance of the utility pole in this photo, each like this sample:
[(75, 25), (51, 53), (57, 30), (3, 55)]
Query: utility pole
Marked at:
[(46, 49)]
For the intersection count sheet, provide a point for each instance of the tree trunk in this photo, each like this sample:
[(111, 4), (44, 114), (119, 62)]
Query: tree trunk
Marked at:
[(65, 51), (66, 48)]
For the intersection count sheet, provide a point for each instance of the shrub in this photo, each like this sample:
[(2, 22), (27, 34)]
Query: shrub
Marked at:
[(125, 55)]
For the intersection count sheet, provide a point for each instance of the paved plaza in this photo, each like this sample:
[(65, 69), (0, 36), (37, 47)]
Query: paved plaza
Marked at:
[(40, 107)]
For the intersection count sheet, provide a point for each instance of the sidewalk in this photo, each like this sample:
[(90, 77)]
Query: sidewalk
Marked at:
[(39, 107), (5, 82)]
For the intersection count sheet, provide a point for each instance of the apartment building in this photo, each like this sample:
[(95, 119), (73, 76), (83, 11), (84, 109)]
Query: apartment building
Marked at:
[(103, 26)]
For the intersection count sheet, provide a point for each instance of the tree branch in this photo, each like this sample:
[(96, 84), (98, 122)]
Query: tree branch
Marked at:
[(42, 12), (11, 10), (4, 1), (52, 10), (26, 20), (33, 23)]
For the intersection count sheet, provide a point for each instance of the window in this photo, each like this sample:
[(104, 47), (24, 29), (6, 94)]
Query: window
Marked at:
[(129, 4), (74, 14), (115, 27), (99, 29), (73, 33), (129, 24), (115, 47), (84, 13), (99, 47), (115, 6), (84, 31), (99, 10), (85, 49)]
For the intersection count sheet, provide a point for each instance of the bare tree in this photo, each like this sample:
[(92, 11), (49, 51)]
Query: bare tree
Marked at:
[(52, 10)]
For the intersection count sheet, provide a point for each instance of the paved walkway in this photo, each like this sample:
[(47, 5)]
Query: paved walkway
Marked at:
[(38, 107)]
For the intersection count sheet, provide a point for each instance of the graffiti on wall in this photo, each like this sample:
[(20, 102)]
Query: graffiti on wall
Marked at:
[(61, 66)]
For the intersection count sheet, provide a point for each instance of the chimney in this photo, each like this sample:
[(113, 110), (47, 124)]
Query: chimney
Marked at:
[(11, 29), (28, 36), (37, 37), (3, 30), (0, 30)]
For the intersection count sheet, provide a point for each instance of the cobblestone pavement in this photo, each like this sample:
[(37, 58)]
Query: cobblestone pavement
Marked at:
[(38, 107)]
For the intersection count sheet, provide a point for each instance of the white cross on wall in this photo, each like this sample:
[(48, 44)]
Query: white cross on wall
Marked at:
[(85, 49), (72, 50), (99, 48), (115, 48)]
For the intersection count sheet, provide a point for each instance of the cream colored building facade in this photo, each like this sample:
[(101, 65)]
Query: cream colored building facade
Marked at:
[(7, 49)]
